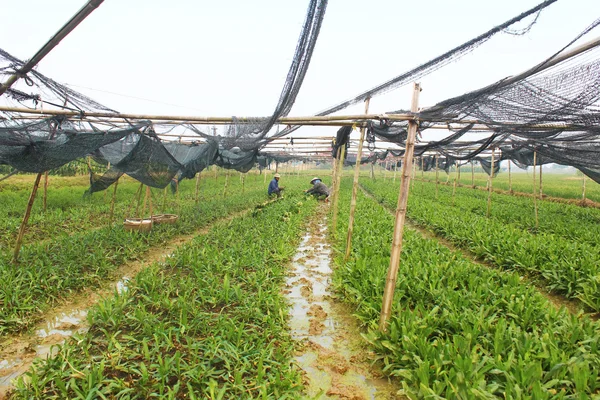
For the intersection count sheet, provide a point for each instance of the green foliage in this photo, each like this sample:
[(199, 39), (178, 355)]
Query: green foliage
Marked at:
[(208, 323), (460, 330)]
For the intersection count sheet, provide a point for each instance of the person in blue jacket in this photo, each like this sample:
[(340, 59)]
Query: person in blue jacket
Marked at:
[(274, 188)]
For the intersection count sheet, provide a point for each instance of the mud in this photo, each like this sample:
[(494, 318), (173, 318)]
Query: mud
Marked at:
[(331, 354)]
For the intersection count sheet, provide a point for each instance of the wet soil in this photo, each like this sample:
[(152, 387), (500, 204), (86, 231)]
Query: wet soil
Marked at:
[(332, 355)]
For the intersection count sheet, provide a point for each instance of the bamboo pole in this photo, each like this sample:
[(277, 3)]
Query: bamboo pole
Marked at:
[(150, 208), (355, 186), (414, 176), (454, 186), (243, 177), (226, 183), (372, 171), (392, 275), (490, 184), (510, 189), (541, 183), (338, 182), (139, 199), (26, 218), (395, 171), (45, 198), (86, 10), (583, 189), (164, 204), (437, 175), (472, 175), (112, 202), (141, 214), (197, 185), (535, 207)]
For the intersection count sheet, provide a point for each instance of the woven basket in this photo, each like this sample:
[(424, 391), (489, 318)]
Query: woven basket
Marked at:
[(165, 218), (137, 224)]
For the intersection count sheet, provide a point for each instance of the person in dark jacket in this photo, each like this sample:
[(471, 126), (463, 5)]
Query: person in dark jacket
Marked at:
[(319, 189), (274, 188)]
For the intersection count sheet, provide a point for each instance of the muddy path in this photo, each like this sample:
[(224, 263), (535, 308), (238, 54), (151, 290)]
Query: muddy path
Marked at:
[(558, 301), (18, 352), (332, 355)]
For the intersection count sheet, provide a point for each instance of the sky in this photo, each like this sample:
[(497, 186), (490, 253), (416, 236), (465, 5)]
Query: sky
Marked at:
[(231, 57)]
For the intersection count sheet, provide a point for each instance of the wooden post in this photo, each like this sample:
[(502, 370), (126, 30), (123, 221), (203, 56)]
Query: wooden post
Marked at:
[(355, 186), (226, 183), (141, 214), (583, 191), (395, 170), (510, 190), (437, 175), (472, 175), (243, 183), (535, 207), (372, 172), (150, 208), (197, 185), (541, 186), (112, 202), (414, 176), (26, 218), (164, 204), (490, 184), (338, 182), (139, 199), (392, 275), (45, 190)]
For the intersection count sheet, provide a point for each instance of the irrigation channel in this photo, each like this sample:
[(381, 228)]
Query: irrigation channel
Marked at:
[(334, 361), (17, 353)]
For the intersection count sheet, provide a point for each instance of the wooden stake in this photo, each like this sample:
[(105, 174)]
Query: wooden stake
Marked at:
[(338, 182), (541, 186), (164, 204), (535, 207), (139, 199), (395, 171), (510, 190), (45, 190), (112, 202), (437, 175), (355, 186), (372, 172), (197, 185), (26, 218), (141, 214), (490, 180), (392, 275), (583, 191)]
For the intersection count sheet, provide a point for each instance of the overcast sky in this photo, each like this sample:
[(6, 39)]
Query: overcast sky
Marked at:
[(231, 57)]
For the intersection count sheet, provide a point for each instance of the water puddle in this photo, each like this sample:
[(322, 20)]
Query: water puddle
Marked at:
[(334, 362)]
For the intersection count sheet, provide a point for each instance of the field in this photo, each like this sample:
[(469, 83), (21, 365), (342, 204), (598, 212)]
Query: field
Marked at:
[(484, 307)]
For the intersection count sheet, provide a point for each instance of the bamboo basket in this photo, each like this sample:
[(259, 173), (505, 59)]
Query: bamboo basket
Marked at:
[(165, 218), (137, 224)]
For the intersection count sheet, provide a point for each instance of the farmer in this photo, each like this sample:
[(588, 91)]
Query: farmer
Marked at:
[(319, 189), (274, 188)]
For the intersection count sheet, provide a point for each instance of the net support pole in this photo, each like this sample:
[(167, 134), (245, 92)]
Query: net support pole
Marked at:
[(26, 218), (45, 202), (338, 182), (197, 185), (414, 173), (50, 44), (243, 183), (146, 195), (226, 183), (112, 202), (265, 177), (535, 207), (164, 203), (395, 171), (490, 184), (541, 183), (372, 172), (355, 186), (472, 175), (437, 175), (583, 188), (510, 190), (392, 275), (454, 185)]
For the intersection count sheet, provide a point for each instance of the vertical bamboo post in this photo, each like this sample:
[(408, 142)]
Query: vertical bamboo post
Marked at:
[(355, 186), (197, 186), (141, 214), (164, 204), (472, 175), (265, 176), (338, 182), (226, 183), (454, 186), (243, 183), (45, 190), (583, 189), (150, 208), (392, 275), (26, 218), (490, 184), (510, 190), (535, 207), (437, 175), (414, 175), (395, 170), (541, 190), (112, 202), (372, 171), (178, 196)]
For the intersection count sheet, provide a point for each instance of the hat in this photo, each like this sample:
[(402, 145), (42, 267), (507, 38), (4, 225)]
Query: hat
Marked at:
[(277, 176), (314, 179)]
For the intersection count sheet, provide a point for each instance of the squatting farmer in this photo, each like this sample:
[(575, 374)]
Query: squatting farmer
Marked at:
[(274, 188), (319, 190)]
